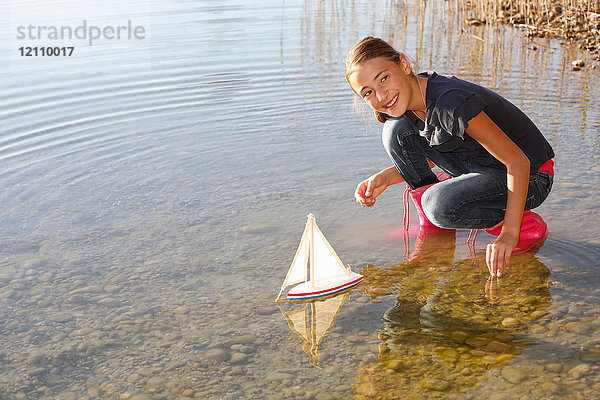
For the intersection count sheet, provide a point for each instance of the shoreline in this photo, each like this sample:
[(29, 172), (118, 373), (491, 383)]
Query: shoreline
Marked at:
[(571, 20)]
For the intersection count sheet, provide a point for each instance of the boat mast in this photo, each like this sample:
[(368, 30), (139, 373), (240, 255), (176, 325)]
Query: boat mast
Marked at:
[(311, 260)]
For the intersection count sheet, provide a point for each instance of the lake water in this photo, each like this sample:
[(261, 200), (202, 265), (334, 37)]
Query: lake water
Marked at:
[(153, 191)]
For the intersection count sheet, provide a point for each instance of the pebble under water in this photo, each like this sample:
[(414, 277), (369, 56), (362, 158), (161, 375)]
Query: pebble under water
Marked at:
[(153, 193)]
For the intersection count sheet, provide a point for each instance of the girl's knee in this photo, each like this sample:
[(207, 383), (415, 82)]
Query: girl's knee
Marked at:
[(395, 130), (441, 213)]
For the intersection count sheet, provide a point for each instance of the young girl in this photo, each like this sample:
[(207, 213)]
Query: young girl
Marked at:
[(501, 165)]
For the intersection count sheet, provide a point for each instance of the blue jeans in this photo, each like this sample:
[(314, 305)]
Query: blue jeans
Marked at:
[(476, 195)]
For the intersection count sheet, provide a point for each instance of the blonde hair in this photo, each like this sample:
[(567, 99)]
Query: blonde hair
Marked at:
[(369, 48)]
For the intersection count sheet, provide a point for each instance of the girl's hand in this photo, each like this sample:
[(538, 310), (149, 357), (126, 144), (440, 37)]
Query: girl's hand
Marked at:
[(368, 190), (497, 254)]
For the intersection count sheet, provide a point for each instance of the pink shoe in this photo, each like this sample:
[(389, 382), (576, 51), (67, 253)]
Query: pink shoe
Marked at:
[(416, 195), (533, 229), (425, 225)]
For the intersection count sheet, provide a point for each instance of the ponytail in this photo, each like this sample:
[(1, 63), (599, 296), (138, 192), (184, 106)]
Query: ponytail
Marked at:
[(381, 117)]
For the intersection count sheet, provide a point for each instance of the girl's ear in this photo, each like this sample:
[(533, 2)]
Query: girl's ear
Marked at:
[(404, 64)]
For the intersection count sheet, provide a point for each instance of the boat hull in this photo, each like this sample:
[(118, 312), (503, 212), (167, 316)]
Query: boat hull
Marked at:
[(306, 290)]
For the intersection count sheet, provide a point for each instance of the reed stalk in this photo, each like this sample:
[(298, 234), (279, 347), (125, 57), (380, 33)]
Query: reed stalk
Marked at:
[(570, 19)]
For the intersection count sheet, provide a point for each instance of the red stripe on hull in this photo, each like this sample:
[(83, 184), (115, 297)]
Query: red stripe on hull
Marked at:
[(326, 290)]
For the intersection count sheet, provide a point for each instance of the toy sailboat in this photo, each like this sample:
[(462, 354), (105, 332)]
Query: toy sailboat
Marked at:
[(313, 321), (317, 268)]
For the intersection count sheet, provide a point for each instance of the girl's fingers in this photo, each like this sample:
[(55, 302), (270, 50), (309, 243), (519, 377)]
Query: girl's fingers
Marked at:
[(500, 265), (488, 258), (494, 257), (369, 190), (502, 260), (359, 193), (365, 202), (498, 261), (507, 259)]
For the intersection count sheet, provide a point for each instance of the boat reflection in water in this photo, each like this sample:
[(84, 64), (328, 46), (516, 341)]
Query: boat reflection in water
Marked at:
[(313, 320)]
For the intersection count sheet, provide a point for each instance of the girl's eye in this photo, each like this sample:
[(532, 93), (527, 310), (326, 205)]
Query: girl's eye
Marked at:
[(384, 78), (367, 94)]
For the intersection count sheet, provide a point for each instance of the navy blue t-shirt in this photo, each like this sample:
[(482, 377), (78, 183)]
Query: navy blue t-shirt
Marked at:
[(452, 102)]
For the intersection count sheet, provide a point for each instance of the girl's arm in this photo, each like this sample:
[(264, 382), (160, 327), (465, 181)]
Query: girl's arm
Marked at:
[(495, 141)]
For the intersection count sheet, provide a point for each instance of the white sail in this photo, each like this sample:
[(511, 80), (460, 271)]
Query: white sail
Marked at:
[(298, 271), (316, 267), (327, 263)]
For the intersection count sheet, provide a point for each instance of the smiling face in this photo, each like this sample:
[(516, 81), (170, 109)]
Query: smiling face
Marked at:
[(384, 84)]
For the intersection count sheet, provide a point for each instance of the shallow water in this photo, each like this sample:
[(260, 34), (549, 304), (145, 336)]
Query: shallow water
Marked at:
[(153, 193)]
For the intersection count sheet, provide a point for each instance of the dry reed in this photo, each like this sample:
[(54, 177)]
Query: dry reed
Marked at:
[(577, 20)]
